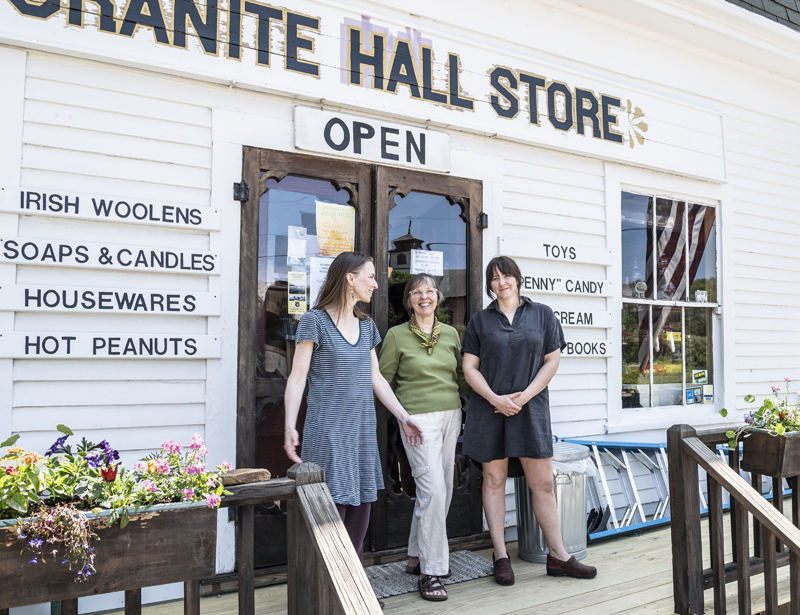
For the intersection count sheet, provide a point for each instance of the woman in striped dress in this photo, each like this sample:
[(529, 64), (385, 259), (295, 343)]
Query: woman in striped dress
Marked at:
[(336, 354)]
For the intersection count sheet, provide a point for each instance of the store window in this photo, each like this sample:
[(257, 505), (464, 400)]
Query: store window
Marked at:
[(669, 292)]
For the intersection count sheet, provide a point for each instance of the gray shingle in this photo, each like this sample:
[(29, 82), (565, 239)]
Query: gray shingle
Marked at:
[(789, 4), (794, 16), (776, 9)]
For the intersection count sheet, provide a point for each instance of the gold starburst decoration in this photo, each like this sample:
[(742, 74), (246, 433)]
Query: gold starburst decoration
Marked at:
[(636, 129)]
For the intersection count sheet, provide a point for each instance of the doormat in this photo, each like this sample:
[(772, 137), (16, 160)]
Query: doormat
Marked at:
[(393, 580)]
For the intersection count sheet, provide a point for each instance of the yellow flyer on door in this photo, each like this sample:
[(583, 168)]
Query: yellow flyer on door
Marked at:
[(336, 228)]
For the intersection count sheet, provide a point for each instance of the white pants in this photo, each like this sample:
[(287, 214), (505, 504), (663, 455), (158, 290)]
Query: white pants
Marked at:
[(433, 467)]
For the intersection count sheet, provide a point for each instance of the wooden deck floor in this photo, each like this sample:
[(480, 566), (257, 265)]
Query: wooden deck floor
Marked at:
[(635, 578)]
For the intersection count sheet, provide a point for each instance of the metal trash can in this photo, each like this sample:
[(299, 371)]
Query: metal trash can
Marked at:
[(570, 489)]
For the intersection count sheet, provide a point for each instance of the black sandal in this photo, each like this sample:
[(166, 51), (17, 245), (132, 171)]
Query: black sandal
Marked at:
[(429, 584)]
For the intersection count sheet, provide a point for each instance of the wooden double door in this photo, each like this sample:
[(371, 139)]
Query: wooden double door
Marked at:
[(301, 211)]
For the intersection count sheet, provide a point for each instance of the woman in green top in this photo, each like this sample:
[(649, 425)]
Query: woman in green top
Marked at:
[(424, 356)]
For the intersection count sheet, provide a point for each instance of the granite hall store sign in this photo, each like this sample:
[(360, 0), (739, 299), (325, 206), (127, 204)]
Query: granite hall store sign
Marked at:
[(371, 56)]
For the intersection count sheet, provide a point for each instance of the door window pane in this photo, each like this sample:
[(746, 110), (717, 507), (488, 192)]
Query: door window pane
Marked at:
[(702, 254), (635, 356), (422, 221), (287, 241), (637, 241), (670, 250), (667, 356)]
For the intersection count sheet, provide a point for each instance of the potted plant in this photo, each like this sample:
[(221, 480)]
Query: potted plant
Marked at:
[(75, 522), (771, 445)]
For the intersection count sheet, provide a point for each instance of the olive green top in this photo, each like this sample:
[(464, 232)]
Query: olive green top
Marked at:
[(425, 382)]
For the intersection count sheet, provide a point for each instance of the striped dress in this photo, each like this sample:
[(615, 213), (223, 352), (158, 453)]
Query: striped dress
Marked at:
[(340, 429)]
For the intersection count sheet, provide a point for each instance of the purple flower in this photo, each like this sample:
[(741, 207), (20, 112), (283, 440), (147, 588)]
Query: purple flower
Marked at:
[(213, 500), (196, 441), (747, 418), (34, 561), (187, 493), (776, 389), (109, 453), (35, 543), (58, 446), (149, 486), (195, 468), (94, 459)]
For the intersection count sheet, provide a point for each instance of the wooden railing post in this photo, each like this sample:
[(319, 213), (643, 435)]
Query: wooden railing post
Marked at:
[(133, 602), (245, 546), (684, 494), (301, 570)]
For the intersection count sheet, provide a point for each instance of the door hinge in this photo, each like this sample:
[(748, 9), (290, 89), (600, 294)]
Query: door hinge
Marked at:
[(241, 191), (482, 220)]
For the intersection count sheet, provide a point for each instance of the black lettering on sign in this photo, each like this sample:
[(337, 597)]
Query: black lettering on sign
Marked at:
[(264, 14), (582, 112), (361, 130), (533, 82), (419, 150), (557, 251), (32, 9), (428, 91), (586, 349), (356, 58), (294, 42), (335, 121), (385, 143), (556, 87), (453, 71), (609, 119), (107, 23), (206, 29), (574, 318), (510, 108), (146, 13), (404, 69)]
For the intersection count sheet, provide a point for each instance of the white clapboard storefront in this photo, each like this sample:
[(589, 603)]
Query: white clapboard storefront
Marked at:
[(123, 132)]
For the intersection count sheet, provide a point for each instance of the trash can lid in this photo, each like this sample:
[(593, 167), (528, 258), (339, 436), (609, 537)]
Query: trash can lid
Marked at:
[(566, 451)]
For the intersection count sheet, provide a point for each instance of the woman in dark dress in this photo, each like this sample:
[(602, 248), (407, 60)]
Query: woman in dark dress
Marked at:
[(511, 352)]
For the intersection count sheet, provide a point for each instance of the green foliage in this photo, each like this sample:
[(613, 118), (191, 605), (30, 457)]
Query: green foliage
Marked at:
[(778, 416), (54, 489)]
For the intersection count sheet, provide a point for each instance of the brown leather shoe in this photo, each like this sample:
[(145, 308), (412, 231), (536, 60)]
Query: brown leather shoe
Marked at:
[(503, 574), (570, 568)]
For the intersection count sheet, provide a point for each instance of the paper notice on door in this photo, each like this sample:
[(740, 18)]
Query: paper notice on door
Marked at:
[(427, 261), (708, 393), (336, 228), (319, 271), (296, 246), (297, 292)]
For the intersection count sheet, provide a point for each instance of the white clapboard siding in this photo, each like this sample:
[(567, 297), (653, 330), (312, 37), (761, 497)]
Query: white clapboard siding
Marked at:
[(88, 370), (123, 324), (109, 392), (80, 418), (131, 135), (763, 156), (28, 274)]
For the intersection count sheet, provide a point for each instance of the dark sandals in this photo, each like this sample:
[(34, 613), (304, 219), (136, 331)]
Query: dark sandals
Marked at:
[(416, 570), (428, 585)]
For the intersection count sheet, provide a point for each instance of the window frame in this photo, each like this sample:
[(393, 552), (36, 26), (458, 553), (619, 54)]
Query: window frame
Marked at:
[(651, 303), (620, 178)]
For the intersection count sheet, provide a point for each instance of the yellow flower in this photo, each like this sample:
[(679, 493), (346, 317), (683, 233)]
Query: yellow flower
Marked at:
[(151, 466), (14, 450), (31, 457)]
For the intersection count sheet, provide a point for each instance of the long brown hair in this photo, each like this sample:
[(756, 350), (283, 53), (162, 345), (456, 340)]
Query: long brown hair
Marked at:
[(334, 290), (506, 266)]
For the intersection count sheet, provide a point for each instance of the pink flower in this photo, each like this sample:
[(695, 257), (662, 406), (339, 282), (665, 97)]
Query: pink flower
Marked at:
[(187, 494), (211, 483), (213, 500), (196, 468), (149, 486), (787, 379), (229, 466), (196, 442), (140, 465), (776, 389), (172, 447)]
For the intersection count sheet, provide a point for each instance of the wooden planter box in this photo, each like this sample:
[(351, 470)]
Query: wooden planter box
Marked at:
[(771, 455), (167, 543)]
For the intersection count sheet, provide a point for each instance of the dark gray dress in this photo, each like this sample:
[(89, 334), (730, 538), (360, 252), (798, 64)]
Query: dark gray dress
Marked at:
[(510, 357), (340, 430)]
